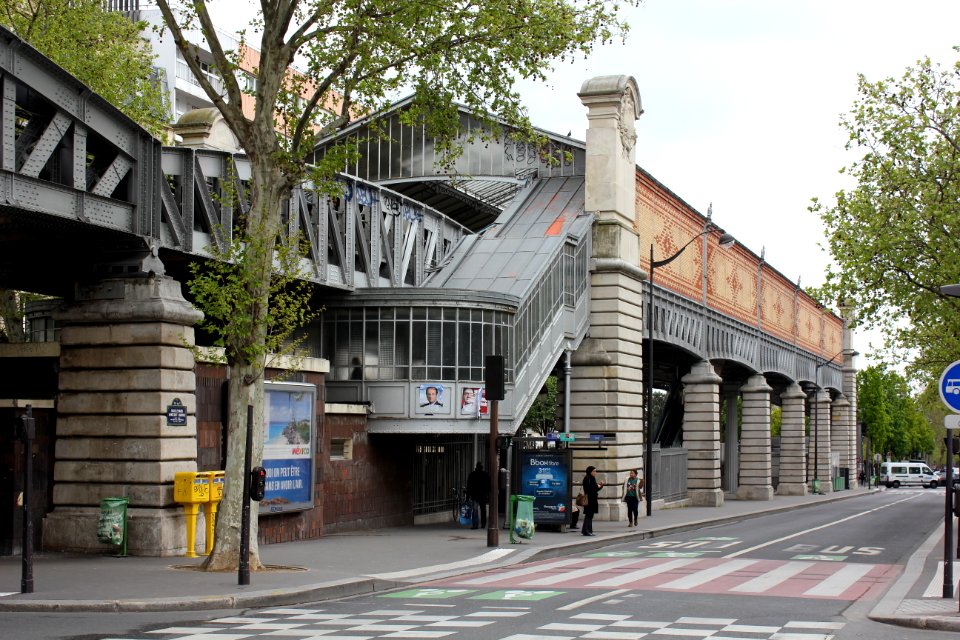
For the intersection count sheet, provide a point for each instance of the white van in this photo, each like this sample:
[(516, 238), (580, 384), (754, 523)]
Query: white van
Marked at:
[(895, 474)]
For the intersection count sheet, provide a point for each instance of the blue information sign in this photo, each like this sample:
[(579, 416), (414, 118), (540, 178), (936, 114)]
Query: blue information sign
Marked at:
[(950, 387)]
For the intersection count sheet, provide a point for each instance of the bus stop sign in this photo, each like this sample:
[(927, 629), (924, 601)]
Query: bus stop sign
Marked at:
[(950, 387)]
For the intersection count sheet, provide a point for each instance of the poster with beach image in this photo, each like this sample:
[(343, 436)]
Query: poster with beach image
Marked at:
[(288, 450)]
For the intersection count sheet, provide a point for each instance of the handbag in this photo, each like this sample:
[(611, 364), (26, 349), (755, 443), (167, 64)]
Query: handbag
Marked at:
[(466, 514), (581, 499)]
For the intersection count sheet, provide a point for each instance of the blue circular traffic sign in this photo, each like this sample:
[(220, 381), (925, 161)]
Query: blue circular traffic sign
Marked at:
[(950, 387)]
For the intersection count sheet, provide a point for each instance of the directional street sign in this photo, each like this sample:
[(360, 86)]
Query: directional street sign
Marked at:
[(950, 387)]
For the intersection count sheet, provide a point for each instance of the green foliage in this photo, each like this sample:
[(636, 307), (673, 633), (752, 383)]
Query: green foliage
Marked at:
[(894, 236), (542, 416), (776, 421), (103, 49), (895, 422), (226, 289)]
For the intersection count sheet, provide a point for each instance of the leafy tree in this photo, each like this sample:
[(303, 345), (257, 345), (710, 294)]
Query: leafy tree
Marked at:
[(356, 56), (542, 416), (103, 49), (894, 235), (896, 425)]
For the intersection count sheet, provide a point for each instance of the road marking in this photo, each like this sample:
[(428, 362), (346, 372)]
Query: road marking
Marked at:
[(710, 621), (772, 578), (708, 575), (839, 582), (935, 588), (516, 573), (586, 601), (566, 576), (641, 574), (823, 526), (489, 556)]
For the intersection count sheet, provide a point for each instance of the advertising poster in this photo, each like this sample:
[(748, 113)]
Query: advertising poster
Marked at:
[(432, 399), (470, 402), (288, 447), (545, 475)]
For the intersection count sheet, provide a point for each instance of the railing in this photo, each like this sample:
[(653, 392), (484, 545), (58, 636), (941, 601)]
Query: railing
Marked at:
[(184, 73), (669, 473)]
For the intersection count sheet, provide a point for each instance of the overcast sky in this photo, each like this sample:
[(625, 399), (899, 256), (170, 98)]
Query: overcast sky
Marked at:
[(742, 100)]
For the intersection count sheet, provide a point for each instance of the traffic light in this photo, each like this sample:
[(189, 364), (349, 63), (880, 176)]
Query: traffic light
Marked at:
[(26, 428), (956, 501), (952, 444), (258, 483), (503, 442), (493, 377)]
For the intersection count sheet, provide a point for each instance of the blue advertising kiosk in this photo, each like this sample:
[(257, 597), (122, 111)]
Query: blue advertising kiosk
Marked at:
[(545, 475)]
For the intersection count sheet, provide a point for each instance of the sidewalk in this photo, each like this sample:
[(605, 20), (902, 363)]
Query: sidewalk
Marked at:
[(378, 560)]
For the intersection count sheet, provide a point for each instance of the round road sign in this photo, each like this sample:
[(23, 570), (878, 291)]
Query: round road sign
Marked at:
[(950, 387)]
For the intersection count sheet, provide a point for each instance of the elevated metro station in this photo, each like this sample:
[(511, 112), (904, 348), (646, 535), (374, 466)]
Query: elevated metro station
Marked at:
[(538, 253)]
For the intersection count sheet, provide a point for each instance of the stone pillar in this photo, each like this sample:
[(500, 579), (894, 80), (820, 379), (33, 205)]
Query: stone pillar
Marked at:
[(849, 383), (731, 443), (607, 376), (125, 358), (701, 434), (840, 433), (755, 466), (793, 453), (819, 443)]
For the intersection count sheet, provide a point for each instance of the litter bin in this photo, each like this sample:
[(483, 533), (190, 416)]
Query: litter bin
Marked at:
[(112, 523), (522, 523)]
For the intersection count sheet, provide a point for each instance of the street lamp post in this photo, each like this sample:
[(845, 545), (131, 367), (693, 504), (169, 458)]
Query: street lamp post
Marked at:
[(726, 241), (816, 423)]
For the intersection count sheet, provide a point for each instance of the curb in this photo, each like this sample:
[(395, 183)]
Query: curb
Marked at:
[(362, 585)]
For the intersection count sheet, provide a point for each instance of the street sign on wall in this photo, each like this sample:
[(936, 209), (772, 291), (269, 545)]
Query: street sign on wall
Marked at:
[(950, 387)]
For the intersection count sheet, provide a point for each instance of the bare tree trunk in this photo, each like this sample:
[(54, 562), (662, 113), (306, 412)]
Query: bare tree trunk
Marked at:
[(247, 359), (11, 319)]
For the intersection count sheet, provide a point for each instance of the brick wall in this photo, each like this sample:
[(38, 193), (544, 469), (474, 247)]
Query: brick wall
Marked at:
[(373, 488)]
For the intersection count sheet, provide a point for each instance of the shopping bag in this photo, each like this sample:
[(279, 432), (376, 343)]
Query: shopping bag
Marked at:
[(466, 514)]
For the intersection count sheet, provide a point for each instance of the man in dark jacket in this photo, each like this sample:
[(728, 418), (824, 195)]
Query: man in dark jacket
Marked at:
[(478, 490), (592, 490)]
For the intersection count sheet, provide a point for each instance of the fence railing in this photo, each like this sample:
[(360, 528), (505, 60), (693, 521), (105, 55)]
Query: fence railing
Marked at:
[(669, 473)]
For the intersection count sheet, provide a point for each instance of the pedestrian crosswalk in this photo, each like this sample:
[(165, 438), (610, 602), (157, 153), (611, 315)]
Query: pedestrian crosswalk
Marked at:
[(797, 579), (496, 623)]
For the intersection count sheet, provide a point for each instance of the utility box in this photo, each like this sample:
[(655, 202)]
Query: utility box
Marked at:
[(191, 489)]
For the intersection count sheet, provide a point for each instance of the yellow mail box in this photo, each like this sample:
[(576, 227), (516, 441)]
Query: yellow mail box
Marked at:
[(216, 484), (191, 487)]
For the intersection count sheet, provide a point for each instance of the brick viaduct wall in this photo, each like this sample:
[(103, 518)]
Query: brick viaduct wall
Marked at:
[(739, 283)]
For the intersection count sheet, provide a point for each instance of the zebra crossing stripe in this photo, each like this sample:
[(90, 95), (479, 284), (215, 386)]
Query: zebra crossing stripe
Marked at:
[(772, 578), (641, 574), (840, 581), (516, 573), (708, 575), (935, 588), (567, 576)]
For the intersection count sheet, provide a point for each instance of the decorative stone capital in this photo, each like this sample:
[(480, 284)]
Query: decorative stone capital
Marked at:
[(793, 392), (702, 373), (613, 106), (756, 384)]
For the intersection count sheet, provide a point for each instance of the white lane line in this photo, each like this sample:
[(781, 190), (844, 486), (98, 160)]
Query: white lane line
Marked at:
[(935, 588), (710, 621), (840, 581), (489, 556), (772, 578), (702, 577), (566, 576), (823, 526), (592, 599), (516, 573), (642, 574), (804, 624)]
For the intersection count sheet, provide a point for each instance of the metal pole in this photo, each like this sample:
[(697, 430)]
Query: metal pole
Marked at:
[(948, 523), (647, 443), (243, 574), (567, 374), (27, 434), (493, 519)]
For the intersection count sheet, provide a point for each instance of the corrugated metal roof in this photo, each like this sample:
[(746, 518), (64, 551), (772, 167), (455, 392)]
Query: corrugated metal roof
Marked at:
[(512, 253)]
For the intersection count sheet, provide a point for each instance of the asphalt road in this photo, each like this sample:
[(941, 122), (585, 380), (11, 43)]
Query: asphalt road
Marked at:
[(811, 574)]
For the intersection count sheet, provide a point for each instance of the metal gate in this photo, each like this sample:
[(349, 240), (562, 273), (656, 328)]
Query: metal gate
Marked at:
[(441, 467)]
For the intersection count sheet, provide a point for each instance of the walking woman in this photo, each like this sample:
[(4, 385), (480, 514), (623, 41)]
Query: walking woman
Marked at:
[(631, 495), (591, 488)]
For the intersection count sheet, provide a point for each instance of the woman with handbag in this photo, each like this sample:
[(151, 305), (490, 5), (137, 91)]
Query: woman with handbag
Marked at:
[(631, 495), (591, 488)]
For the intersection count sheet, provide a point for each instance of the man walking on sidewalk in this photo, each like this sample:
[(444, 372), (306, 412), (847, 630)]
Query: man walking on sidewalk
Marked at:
[(478, 490)]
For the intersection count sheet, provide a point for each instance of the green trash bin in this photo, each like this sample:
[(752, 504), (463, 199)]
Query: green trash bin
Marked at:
[(522, 524), (112, 524)]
